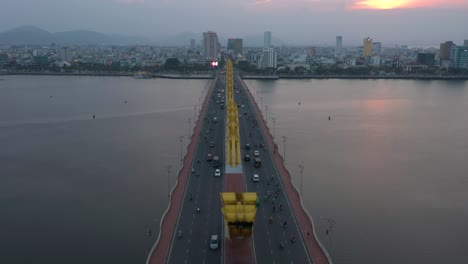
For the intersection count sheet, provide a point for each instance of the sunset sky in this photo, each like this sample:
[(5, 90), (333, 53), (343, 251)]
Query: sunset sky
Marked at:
[(314, 22)]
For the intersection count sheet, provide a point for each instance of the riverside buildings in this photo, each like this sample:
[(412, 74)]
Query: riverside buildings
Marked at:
[(211, 47), (268, 58), (338, 47), (459, 57)]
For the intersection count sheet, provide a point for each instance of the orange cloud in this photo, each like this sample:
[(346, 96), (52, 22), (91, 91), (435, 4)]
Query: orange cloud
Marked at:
[(392, 4)]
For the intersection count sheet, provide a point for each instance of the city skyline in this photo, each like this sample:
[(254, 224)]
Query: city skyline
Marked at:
[(410, 22)]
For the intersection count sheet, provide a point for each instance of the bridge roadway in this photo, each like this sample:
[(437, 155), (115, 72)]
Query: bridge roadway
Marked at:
[(267, 237), (204, 187), (193, 246)]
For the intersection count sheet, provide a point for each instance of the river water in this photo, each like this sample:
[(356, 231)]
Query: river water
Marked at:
[(389, 167)]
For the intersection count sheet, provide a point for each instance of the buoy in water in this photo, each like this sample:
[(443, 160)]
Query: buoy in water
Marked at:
[(94, 116), (329, 117)]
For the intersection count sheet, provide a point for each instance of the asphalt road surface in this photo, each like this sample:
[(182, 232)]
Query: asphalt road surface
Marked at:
[(267, 236), (204, 188)]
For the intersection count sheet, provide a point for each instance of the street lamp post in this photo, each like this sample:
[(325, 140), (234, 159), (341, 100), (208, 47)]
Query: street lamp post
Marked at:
[(168, 181), (189, 127), (274, 124), (256, 91), (301, 167), (194, 114), (181, 138), (329, 232), (266, 114), (261, 103), (284, 148)]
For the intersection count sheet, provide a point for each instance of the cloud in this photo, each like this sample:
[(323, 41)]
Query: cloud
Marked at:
[(405, 4)]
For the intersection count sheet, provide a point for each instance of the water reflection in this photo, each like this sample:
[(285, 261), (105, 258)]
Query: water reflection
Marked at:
[(388, 167)]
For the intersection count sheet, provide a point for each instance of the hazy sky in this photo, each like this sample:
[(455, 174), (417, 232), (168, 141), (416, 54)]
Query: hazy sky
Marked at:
[(412, 22)]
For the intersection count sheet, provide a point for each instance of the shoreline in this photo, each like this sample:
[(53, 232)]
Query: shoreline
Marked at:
[(249, 77)]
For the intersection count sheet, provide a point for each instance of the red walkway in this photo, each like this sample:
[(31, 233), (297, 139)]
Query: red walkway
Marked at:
[(160, 251), (304, 222)]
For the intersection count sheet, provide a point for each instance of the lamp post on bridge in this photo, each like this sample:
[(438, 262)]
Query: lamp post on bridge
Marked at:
[(195, 114), (189, 127), (274, 124), (329, 232), (181, 138), (261, 103), (266, 114), (284, 148), (301, 167), (168, 181)]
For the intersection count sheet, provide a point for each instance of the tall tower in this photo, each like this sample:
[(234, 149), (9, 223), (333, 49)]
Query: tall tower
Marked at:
[(339, 42), (267, 40), (367, 47), (192, 44), (445, 49), (210, 45)]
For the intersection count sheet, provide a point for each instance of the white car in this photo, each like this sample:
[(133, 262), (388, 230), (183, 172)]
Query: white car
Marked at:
[(255, 178), (256, 153), (217, 173), (214, 242)]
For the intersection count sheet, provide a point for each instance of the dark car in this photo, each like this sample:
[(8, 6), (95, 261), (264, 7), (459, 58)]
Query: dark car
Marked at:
[(212, 144), (247, 146), (209, 157), (247, 157)]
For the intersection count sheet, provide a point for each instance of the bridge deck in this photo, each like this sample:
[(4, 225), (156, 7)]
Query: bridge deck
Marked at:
[(304, 222), (160, 251)]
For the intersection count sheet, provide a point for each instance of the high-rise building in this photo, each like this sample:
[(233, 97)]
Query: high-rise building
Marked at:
[(192, 44), (267, 59), (311, 51), (211, 48), (445, 50), (66, 54), (376, 47), (235, 46), (459, 57), (426, 59), (339, 42), (367, 51), (267, 40)]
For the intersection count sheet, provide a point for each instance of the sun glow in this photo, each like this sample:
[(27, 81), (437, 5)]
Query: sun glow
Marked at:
[(381, 4)]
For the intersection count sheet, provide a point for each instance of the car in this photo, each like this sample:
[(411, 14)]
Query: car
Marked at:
[(247, 146), (242, 106), (215, 119), (217, 173), (247, 157), (212, 144), (255, 178), (256, 153), (214, 242), (209, 157)]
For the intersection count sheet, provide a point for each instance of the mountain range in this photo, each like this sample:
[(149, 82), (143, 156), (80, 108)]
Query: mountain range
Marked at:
[(30, 35)]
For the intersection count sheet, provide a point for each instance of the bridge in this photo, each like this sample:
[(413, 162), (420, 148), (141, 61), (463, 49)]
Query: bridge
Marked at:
[(257, 219)]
